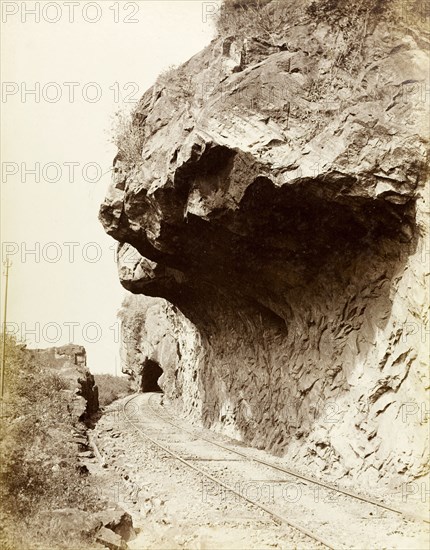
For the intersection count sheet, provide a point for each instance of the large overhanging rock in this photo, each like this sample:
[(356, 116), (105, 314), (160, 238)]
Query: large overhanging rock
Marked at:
[(280, 201)]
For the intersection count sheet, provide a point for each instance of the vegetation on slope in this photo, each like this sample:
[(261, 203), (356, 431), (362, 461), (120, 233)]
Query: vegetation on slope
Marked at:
[(39, 467), (127, 136), (112, 387), (269, 19)]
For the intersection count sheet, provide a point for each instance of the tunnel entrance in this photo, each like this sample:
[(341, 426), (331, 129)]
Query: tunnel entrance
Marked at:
[(150, 373)]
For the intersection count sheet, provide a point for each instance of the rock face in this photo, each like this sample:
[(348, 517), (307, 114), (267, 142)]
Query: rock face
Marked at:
[(280, 202), (159, 344), (70, 363)]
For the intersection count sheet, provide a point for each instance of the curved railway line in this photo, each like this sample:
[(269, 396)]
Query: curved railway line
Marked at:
[(182, 456), (297, 475)]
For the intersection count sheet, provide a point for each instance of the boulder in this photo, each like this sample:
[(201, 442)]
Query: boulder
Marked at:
[(110, 539), (72, 522), (118, 521)]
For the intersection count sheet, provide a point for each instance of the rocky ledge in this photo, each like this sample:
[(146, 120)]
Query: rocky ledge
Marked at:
[(70, 363), (278, 200)]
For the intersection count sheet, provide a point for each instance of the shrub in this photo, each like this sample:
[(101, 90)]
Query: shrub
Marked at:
[(333, 10), (112, 388), (127, 135)]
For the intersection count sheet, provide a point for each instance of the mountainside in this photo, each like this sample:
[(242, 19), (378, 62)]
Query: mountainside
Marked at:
[(274, 190)]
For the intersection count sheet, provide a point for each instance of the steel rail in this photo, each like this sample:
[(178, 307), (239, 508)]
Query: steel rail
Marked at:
[(326, 485), (277, 518)]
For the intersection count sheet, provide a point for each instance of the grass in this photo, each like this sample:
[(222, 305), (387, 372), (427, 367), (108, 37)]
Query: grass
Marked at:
[(112, 387)]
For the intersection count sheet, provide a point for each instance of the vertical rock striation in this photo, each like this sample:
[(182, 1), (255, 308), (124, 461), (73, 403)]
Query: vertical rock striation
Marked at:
[(280, 205)]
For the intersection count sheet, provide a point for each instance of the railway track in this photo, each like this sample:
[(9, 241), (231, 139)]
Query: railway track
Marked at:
[(325, 485), (325, 513)]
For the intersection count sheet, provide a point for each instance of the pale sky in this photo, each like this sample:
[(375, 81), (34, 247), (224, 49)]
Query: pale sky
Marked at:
[(68, 288)]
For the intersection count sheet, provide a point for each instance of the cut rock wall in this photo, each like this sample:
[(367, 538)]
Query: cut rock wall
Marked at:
[(286, 225)]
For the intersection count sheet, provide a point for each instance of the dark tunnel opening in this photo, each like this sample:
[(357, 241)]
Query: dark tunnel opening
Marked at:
[(151, 372)]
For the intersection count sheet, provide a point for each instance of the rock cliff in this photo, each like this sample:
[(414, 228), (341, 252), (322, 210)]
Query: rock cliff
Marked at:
[(70, 363), (274, 191)]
